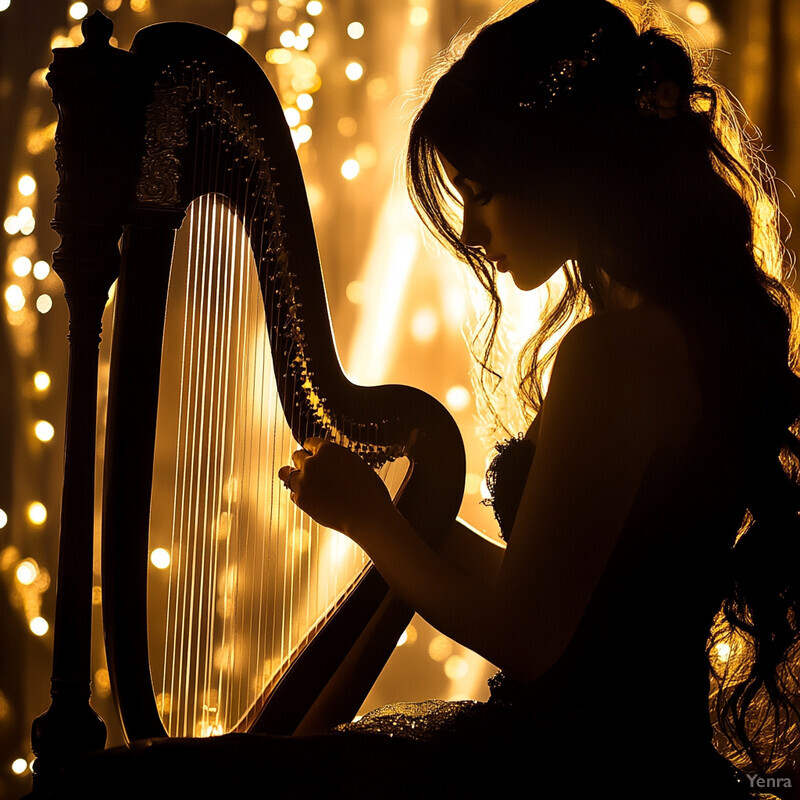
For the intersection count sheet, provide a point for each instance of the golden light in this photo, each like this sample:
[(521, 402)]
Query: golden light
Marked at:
[(347, 126), (44, 303), (26, 185), (22, 266), (26, 220), (723, 651), (26, 572), (457, 398), (418, 16), (355, 30), (472, 483), (37, 513), (300, 43), (237, 34), (304, 101), (140, 6), (367, 155), (160, 558), (112, 5), (424, 324), (3, 518), (292, 116), (19, 765), (278, 56), (4, 4), (39, 626), (78, 10), (41, 269), (314, 8), (44, 430), (354, 71), (102, 682), (306, 30), (287, 39), (286, 14), (355, 292), (41, 380), (698, 13), (15, 297), (61, 41), (11, 225), (304, 133), (440, 648), (403, 639), (350, 169), (456, 667)]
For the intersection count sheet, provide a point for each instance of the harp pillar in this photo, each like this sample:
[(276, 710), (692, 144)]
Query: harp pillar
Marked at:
[(91, 204)]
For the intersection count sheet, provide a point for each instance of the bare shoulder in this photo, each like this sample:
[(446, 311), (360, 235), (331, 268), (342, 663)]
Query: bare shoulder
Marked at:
[(638, 359)]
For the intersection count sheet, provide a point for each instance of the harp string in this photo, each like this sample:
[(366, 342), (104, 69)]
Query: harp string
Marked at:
[(250, 574)]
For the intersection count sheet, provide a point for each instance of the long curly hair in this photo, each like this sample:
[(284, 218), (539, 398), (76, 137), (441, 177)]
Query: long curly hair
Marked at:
[(606, 107)]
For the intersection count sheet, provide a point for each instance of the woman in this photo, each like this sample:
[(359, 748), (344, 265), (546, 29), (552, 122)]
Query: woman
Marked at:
[(571, 138)]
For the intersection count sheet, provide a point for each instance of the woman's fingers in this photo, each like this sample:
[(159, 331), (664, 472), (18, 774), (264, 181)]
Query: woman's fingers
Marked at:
[(313, 443), (287, 474), (299, 457)]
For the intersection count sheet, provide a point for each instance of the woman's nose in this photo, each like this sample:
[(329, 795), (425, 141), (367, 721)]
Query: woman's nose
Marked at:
[(474, 232)]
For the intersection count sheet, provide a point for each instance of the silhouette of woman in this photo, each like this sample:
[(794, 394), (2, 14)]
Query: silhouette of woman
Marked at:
[(576, 136), (571, 136)]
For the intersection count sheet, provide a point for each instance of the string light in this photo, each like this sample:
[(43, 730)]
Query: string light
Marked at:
[(41, 380), (292, 116), (347, 127), (140, 6), (457, 398), (41, 269), (355, 292), (456, 667), (26, 185), (11, 225), (698, 13), (160, 558), (306, 30), (112, 5), (78, 10), (15, 297), (4, 4), (237, 34), (278, 56), (37, 513), (354, 71), (355, 30), (304, 101), (314, 8), (418, 16), (424, 324), (350, 169), (300, 43), (39, 626), (21, 266), (26, 572), (44, 430), (287, 38), (304, 133), (44, 303), (3, 518), (19, 766)]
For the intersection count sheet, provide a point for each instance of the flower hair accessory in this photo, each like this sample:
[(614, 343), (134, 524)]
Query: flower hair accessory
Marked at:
[(665, 81)]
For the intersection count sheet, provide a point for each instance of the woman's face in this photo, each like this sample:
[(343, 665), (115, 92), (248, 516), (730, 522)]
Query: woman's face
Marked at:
[(526, 237)]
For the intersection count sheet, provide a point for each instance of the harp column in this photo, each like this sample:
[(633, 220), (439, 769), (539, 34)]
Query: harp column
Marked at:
[(96, 90)]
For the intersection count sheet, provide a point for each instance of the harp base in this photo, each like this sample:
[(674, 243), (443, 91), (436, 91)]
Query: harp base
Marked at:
[(69, 728)]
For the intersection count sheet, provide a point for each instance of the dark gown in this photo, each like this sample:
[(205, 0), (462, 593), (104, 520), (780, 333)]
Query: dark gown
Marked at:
[(624, 711)]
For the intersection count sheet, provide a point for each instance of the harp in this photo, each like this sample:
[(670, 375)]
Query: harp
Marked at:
[(184, 134)]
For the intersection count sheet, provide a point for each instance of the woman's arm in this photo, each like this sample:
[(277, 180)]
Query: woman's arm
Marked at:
[(620, 387)]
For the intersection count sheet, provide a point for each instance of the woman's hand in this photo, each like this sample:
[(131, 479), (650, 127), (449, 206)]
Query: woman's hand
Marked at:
[(337, 488)]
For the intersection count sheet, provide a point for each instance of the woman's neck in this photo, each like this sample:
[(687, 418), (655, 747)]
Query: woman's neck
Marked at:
[(616, 296)]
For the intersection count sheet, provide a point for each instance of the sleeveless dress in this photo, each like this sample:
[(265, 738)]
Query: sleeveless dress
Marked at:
[(625, 708)]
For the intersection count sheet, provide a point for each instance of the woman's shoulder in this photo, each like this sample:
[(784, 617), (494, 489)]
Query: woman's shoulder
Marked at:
[(641, 353)]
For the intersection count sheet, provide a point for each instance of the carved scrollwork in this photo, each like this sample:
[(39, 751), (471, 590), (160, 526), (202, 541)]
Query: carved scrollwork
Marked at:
[(165, 123)]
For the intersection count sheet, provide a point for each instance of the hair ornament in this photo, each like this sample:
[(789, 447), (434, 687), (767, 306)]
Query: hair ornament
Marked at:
[(563, 78), (665, 81)]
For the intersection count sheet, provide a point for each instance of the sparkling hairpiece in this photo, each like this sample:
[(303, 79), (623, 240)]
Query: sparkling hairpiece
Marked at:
[(562, 78)]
